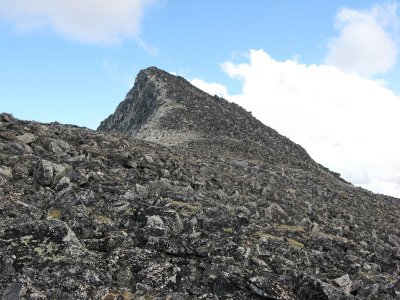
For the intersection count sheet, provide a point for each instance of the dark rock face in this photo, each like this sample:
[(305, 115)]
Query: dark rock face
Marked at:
[(179, 114), (139, 104), (182, 195)]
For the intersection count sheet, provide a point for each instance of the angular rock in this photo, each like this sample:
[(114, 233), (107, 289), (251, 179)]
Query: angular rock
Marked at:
[(47, 171), (44, 172), (312, 288), (4, 117), (344, 282), (12, 292), (269, 289), (141, 190), (54, 147), (6, 172), (26, 138), (155, 222)]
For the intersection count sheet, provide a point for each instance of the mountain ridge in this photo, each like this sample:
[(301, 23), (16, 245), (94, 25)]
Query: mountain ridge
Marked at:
[(171, 199), (180, 113)]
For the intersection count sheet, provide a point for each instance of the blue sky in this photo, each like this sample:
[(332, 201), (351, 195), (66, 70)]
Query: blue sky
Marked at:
[(320, 72)]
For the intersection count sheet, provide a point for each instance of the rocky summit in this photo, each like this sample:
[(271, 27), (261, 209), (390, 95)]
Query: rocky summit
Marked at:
[(183, 195)]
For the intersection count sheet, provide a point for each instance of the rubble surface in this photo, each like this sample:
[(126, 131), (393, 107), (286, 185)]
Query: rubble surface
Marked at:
[(183, 195)]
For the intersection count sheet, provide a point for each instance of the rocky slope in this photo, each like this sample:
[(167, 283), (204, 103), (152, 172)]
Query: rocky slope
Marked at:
[(182, 195)]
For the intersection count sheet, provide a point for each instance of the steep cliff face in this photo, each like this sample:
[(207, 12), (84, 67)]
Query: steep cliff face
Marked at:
[(182, 195), (139, 105)]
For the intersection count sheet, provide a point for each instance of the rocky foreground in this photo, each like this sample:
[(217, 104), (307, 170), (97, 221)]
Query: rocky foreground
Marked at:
[(181, 195)]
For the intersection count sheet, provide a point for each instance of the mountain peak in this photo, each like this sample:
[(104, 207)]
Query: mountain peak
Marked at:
[(169, 110), (160, 107), (139, 104)]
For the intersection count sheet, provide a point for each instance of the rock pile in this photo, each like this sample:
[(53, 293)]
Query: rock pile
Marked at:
[(182, 195)]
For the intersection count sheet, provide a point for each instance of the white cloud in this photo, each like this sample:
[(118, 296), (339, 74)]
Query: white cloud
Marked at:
[(89, 21), (348, 123), (366, 42), (211, 88)]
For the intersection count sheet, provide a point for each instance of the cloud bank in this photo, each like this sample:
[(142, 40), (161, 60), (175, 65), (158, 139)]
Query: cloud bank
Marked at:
[(89, 21), (346, 122), (365, 43), (211, 88)]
